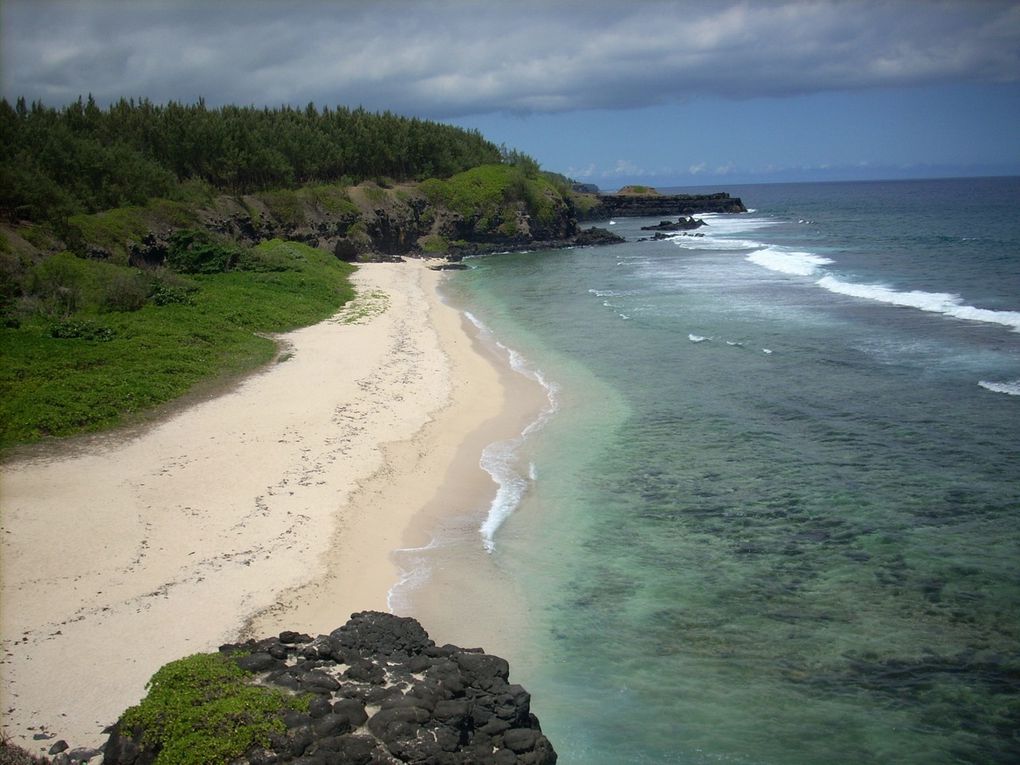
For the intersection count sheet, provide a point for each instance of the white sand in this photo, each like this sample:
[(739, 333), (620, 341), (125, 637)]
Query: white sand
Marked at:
[(275, 506)]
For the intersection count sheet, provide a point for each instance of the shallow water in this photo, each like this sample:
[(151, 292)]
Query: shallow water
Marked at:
[(774, 518)]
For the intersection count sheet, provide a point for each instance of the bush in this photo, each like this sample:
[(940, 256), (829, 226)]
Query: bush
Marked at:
[(202, 709), (57, 281), (166, 294), (196, 252), (434, 243), (81, 330)]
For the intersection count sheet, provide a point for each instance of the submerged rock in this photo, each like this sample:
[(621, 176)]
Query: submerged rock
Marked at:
[(381, 691)]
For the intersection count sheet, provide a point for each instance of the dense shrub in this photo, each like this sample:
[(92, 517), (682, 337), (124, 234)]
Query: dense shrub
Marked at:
[(167, 294), (201, 710), (196, 252), (81, 329)]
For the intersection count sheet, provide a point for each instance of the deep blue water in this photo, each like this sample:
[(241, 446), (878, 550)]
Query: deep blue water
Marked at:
[(775, 517)]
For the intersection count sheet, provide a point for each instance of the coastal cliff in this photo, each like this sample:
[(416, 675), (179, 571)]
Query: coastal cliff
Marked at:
[(653, 204), (487, 209)]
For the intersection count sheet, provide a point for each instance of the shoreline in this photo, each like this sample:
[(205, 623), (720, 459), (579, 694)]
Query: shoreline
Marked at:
[(277, 505)]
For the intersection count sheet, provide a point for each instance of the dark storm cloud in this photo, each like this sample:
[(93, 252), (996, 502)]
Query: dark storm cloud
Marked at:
[(448, 59)]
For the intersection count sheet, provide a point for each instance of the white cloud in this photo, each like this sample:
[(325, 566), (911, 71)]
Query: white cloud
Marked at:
[(624, 167), (452, 58), (583, 172)]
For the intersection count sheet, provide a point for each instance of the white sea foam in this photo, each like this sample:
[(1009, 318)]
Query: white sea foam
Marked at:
[(934, 302), (696, 338), (721, 233), (946, 303), (708, 242), (720, 223), (1011, 388), (500, 459), (767, 351), (411, 576), (788, 262)]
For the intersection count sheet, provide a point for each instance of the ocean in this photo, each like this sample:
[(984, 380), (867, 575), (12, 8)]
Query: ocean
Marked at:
[(772, 511)]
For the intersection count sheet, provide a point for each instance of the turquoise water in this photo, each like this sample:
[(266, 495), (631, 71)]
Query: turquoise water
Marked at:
[(775, 517)]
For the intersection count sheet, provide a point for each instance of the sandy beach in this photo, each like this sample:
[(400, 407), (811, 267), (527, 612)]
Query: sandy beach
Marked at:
[(276, 505)]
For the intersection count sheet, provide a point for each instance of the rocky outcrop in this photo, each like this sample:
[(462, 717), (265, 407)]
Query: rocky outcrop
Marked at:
[(381, 692), (595, 236), (657, 205), (683, 224)]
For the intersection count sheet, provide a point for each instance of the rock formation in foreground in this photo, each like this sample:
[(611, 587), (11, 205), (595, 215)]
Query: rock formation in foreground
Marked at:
[(376, 690)]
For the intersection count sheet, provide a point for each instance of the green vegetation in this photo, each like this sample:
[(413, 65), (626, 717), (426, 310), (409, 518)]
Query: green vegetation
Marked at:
[(491, 195), (55, 163), (111, 230), (638, 190), (202, 709), (89, 343), (584, 204), (434, 244)]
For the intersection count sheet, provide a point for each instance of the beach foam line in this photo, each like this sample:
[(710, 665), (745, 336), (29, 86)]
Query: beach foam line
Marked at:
[(499, 458), (411, 576)]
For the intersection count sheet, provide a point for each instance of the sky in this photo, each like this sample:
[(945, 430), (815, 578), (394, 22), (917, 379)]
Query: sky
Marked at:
[(633, 91)]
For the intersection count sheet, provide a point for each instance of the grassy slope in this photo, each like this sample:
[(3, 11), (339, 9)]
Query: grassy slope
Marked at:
[(490, 194), (53, 386)]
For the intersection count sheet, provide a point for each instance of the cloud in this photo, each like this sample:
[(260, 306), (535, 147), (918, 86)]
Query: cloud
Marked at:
[(582, 172), (624, 167), (453, 58)]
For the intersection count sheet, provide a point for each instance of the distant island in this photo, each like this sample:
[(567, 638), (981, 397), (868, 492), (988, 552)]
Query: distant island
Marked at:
[(647, 201)]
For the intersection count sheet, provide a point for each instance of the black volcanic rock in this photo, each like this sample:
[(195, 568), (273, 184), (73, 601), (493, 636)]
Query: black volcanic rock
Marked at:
[(682, 224), (384, 692), (660, 205), (596, 236)]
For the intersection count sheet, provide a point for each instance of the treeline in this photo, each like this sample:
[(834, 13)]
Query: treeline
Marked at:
[(84, 158)]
